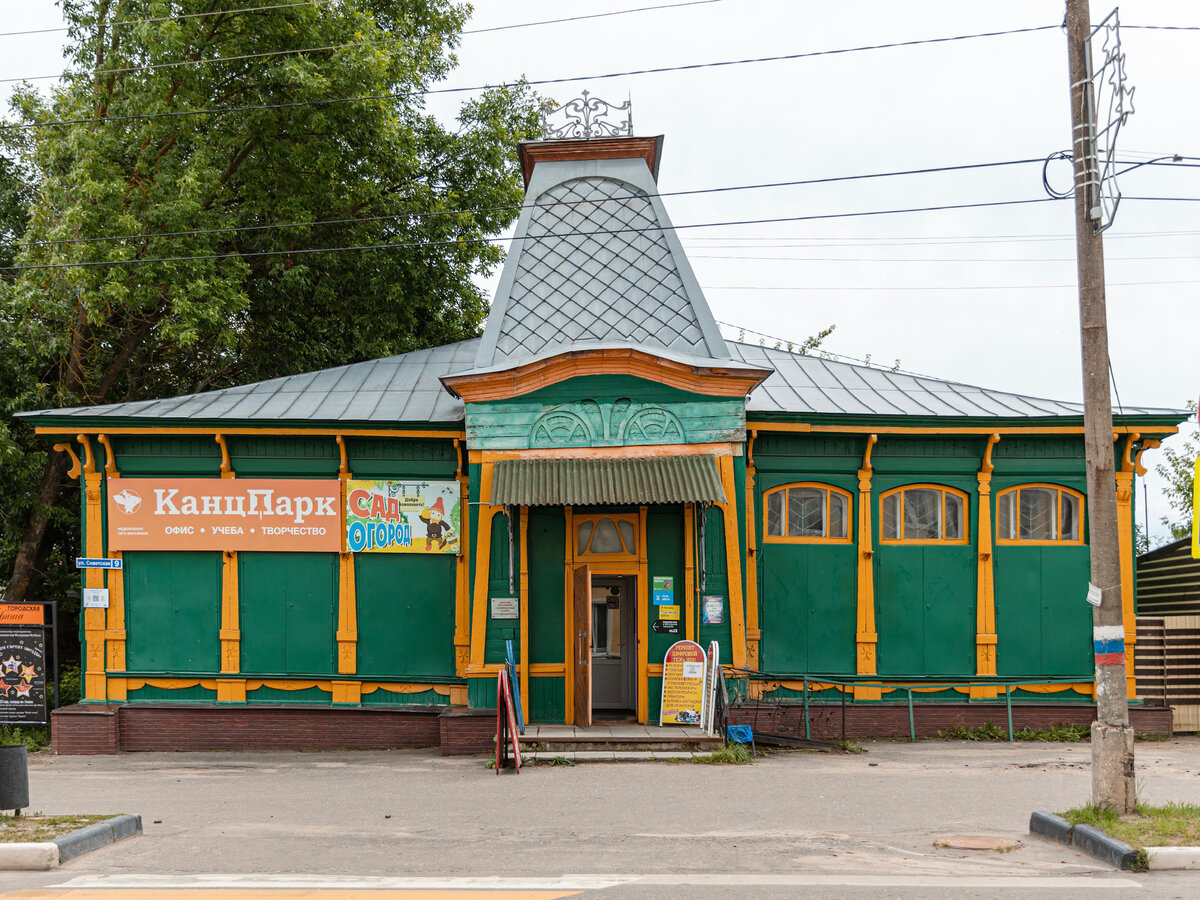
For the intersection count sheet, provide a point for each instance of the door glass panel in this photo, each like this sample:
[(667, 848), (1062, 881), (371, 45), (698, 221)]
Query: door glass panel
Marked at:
[(1005, 526), (775, 514), (627, 535), (954, 518), (1037, 514), (838, 517), (1070, 517), (891, 517), (922, 514), (806, 512), (606, 539), (599, 629), (585, 532)]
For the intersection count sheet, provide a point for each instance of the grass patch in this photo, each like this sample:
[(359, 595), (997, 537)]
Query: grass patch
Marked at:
[(1060, 732), (37, 828), (1171, 825), (554, 761), (729, 755)]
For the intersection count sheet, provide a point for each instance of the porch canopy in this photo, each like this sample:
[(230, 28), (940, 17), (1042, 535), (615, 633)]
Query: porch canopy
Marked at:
[(595, 481)]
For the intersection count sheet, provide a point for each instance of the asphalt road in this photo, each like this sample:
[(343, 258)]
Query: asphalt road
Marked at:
[(413, 824)]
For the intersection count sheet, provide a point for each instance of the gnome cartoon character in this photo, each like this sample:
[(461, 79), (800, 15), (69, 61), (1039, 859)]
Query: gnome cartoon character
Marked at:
[(436, 525)]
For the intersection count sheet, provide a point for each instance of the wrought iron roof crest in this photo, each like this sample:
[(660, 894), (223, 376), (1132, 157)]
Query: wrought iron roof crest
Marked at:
[(586, 117)]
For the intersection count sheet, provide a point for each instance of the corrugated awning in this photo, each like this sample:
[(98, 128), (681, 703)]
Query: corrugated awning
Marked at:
[(595, 481)]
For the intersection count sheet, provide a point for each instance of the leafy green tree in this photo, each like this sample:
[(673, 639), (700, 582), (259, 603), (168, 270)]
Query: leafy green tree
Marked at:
[(1178, 468), (197, 293)]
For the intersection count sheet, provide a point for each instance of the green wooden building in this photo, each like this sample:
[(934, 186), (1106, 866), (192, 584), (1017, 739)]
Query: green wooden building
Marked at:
[(342, 554)]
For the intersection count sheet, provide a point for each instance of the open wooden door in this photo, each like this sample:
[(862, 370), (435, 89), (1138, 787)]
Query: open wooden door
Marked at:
[(583, 646)]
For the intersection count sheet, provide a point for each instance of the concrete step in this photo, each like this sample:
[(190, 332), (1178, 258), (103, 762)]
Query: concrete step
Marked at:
[(560, 757)]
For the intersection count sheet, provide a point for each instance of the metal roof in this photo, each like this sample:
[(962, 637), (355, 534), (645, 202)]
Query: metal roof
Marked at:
[(395, 389), (811, 385), (595, 259), (578, 482)]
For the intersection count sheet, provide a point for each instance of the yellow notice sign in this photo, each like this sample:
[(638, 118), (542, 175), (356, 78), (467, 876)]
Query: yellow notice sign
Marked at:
[(683, 684), (1196, 511), (669, 613)]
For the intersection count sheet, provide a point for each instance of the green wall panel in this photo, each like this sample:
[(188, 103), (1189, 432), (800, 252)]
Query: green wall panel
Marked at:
[(405, 607), (547, 605), (269, 456), (172, 611), (288, 612), (312, 695), (1043, 625), (547, 700), (717, 583), (664, 557), (501, 630), (808, 608), (925, 610), (151, 694), (380, 697)]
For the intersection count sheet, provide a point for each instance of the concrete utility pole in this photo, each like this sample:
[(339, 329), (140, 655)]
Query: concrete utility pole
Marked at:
[(1112, 735)]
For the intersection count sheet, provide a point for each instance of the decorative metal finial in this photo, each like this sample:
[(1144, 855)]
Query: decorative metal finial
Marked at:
[(586, 118)]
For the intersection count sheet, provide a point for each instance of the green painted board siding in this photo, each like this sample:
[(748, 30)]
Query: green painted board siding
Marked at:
[(547, 606), (501, 630), (278, 696), (604, 411), (925, 602), (380, 697), (172, 612), (288, 612), (1043, 624), (151, 694), (405, 605), (716, 584), (808, 606), (547, 700), (664, 557), (169, 456)]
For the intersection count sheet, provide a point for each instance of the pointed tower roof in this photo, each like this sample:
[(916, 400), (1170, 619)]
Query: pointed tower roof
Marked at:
[(595, 263)]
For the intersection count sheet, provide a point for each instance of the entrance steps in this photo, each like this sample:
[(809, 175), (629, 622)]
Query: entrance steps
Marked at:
[(615, 743)]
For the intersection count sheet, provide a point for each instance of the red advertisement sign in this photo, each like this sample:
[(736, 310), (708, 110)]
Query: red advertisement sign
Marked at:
[(683, 684), (224, 514)]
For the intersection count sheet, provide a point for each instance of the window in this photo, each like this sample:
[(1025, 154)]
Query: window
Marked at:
[(1039, 513), (807, 513), (923, 514), (605, 536)]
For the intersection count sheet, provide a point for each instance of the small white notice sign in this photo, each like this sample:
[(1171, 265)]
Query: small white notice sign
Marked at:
[(505, 608), (1093, 595), (95, 598), (693, 670)]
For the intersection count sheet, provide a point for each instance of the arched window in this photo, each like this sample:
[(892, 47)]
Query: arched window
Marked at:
[(807, 513), (1039, 514), (605, 536), (923, 514)]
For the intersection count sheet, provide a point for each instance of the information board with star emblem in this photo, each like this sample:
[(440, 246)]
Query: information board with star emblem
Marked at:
[(23, 677)]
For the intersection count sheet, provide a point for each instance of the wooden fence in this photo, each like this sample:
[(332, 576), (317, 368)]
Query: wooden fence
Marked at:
[(1167, 666)]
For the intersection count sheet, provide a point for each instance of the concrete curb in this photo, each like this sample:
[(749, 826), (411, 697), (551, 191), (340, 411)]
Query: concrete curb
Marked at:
[(1085, 839), (1174, 857), (49, 854)]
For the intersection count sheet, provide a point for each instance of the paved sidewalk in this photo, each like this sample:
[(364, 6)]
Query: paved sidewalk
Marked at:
[(417, 814)]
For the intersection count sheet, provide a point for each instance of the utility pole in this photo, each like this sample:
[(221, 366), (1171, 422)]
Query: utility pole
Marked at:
[(1112, 735)]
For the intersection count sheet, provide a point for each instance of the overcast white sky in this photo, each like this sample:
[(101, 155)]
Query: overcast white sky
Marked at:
[(983, 296)]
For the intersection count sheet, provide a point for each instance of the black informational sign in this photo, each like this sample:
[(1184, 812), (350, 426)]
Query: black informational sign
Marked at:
[(23, 677), (665, 626)]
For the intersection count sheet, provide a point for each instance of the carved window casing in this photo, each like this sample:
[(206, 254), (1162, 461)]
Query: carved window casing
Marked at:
[(606, 537), (807, 513), (1046, 514), (923, 514)]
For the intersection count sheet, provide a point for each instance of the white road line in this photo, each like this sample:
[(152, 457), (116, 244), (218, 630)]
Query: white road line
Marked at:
[(597, 882)]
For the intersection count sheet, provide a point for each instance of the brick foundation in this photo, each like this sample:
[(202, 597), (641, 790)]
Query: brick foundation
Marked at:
[(467, 732), (82, 729), (880, 720)]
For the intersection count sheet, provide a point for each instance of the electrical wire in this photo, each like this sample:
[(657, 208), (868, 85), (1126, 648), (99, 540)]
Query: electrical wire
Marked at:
[(944, 287), (511, 208), (926, 259), (657, 70), (301, 251)]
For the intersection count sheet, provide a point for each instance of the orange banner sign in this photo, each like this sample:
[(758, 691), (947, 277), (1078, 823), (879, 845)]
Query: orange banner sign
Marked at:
[(21, 614), (224, 514)]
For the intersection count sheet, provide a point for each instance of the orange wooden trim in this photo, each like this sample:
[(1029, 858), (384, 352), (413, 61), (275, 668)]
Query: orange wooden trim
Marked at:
[(1080, 511), (1127, 463), (523, 676), (872, 440), (110, 458), (76, 468), (985, 592), (614, 361), (753, 632), (569, 618), (226, 465), (926, 486), (769, 538), (230, 636), (604, 559), (116, 617), (987, 468), (534, 152), (1137, 460), (689, 569), (643, 622), (462, 593), (482, 574), (733, 566), (866, 637), (89, 464), (344, 462), (295, 432)]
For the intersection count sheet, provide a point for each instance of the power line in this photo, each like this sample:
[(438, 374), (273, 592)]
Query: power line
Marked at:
[(944, 287), (458, 241), (198, 15), (534, 83), (926, 259), (603, 15), (776, 243), (511, 208)]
